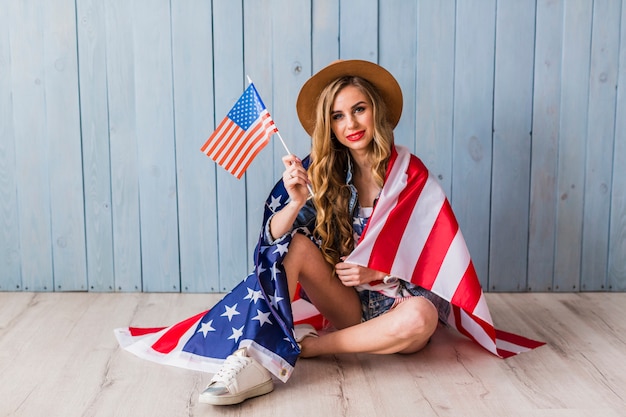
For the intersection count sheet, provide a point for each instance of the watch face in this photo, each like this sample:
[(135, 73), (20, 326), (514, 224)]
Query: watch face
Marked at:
[(390, 280)]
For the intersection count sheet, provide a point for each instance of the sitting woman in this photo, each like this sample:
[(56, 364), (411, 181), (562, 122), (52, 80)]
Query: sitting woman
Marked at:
[(350, 109), (359, 239)]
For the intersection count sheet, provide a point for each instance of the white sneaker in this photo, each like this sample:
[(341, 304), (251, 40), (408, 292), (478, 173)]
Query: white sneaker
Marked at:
[(304, 330), (239, 378)]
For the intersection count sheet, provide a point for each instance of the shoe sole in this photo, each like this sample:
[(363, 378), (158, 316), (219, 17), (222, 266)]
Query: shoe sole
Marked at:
[(264, 388)]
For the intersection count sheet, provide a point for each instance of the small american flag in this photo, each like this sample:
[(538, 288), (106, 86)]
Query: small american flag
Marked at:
[(242, 134)]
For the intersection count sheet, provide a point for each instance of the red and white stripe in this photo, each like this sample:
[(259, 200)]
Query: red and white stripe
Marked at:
[(413, 234), (164, 345), (234, 148)]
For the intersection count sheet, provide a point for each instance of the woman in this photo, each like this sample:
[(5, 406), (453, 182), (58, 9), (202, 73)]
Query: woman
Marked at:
[(376, 250), (354, 106)]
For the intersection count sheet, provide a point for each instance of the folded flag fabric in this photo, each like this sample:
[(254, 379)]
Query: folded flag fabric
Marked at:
[(412, 234), (242, 134), (256, 314)]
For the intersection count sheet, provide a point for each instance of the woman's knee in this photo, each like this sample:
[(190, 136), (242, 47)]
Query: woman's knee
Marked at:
[(306, 254), (300, 248), (418, 319), (297, 253)]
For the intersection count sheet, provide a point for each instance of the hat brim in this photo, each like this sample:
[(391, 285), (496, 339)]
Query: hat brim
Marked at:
[(379, 77)]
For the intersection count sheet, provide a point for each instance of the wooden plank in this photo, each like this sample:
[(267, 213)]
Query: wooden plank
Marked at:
[(325, 42), (79, 354), (358, 30), (324, 36), (261, 29), (600, 142), (397, 35), (580, 329), (38, 110), (64, 154), (545, 138), (512, 124), (156, 147), (229, 81), (282, 71), (10, 275), (123, 145), (434, 92), (81, 370), (571, 148), (27, 48), (617, 236), (292, 59), (94, 115), (472, 139), (192, 54)]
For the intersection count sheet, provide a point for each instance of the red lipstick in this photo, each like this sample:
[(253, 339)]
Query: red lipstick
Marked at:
[(355, 136)]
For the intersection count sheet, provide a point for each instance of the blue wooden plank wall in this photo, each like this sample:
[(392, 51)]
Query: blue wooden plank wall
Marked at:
[(517, 106)]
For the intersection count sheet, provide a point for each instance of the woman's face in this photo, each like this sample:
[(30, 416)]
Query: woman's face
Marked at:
[(352, 119)]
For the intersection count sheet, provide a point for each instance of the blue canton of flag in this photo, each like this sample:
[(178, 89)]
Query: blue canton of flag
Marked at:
[(247, 109), (256, 314)]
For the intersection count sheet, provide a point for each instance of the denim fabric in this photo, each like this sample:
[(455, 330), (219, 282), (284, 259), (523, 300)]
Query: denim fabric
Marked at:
[(304, 223), (373, 303), (442, 306)]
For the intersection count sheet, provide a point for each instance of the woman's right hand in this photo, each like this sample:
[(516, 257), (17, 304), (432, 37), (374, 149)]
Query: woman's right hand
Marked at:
[(296, 180)]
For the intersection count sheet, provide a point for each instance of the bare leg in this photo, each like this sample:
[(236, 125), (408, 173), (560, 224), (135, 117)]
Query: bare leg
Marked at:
[(404, 329), (304, 262)]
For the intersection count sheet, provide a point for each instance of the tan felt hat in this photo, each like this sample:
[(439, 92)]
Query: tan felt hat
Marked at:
[(379, 77)]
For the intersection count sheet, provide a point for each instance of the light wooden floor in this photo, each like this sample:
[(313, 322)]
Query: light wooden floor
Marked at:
[(58, 357)]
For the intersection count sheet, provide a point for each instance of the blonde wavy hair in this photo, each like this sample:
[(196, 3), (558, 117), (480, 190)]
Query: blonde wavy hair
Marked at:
[(330, 164)]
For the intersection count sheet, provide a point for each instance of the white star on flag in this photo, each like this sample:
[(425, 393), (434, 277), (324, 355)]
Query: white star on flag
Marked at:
[(254, 295), (274, 204), (237, 333), (275, 299), (206, 328), (275, 271), (282, 248), (230, 312), (262, 317)]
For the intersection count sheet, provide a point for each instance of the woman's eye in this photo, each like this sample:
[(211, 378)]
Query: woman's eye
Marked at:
[(359, 109), (337, 116)]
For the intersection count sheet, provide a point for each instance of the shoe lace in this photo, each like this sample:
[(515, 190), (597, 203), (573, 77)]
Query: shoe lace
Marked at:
[(231, 367)]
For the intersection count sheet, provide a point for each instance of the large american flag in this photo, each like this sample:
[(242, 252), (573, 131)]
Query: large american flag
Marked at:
[(256, 314), (242, 134), (412, 234)]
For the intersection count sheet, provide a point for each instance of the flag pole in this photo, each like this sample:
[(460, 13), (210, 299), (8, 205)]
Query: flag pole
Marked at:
[(284, 144)]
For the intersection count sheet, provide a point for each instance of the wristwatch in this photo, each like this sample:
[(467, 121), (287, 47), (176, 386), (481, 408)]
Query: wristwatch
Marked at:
[(390, 279)]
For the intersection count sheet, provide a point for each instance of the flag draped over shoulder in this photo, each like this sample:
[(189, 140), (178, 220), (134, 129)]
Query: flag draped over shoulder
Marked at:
[(412, 234), (256, 314), (242, 134)]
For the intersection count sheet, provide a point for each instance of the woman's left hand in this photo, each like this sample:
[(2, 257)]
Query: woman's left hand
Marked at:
[(352, 275)]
